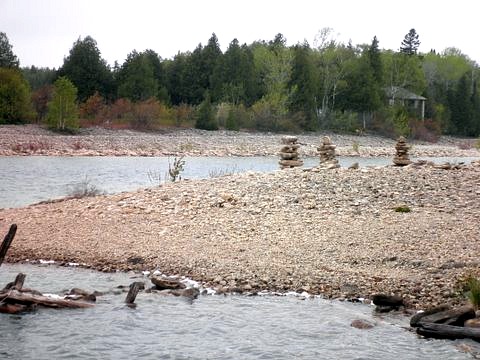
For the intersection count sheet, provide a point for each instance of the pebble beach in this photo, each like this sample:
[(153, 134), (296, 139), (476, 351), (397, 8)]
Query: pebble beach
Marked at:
[(331, 232)]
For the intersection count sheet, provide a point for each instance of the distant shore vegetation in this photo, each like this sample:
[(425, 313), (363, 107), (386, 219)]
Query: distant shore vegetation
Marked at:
[(265, 86)]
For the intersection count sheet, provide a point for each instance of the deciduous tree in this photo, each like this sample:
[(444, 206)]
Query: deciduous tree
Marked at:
[(62, 110), (15, 106)]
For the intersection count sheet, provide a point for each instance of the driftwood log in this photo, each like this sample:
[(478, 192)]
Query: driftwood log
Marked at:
[(14, 299), (162, 283), (7, 241), (442, 331), (135, 287)]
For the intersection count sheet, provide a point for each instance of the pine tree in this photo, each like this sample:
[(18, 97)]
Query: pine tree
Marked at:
[(7, 58), (375, 59), (410, 43), (87, 70)]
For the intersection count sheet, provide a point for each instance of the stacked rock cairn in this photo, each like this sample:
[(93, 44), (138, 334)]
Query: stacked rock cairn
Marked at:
[(401, 156), (289, 153), (327, 154)]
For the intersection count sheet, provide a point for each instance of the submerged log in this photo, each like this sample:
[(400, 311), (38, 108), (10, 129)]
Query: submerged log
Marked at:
[(417, 318), (455, 317), (7, 241), (442, 331)]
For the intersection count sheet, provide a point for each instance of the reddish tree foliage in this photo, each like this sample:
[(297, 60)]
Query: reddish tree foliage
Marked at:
[(40, 99), (93, 108)]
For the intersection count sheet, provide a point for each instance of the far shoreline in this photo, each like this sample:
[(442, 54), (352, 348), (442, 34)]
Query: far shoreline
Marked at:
[(33, 140)]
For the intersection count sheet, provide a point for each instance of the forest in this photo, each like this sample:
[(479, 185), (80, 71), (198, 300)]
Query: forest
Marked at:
[(262, 86)]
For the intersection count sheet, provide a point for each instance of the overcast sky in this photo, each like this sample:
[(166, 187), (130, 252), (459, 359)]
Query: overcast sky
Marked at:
[(43, 31)]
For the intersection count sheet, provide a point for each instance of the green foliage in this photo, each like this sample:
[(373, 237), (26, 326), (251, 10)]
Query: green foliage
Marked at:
[(39, 77), (302, 101), (410, 43), (231, 122), (87, 70), (343, 121), (62, 109), (205, 116), (473, 285), (402, 209), (393, 121), (7, 58), (15, 106)]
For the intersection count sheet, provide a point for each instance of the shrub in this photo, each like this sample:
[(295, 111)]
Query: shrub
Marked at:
[(345, 122), (427, 130), (84, 188), (175, 169), (146, 114), (205, 118), (473, 294), (402, 209), (93, 108)]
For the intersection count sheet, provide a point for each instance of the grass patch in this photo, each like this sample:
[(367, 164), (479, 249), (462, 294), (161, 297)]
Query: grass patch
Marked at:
[(473, 286), (402, 209)]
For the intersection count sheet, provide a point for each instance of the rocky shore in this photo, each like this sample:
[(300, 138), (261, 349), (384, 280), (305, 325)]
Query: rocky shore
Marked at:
[(334, 232), (35, 140)]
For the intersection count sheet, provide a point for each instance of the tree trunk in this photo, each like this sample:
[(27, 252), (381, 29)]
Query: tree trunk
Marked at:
[(7, 241)]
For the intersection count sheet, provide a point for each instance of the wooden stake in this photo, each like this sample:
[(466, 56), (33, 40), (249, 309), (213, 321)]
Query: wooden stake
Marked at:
[(7, 241)]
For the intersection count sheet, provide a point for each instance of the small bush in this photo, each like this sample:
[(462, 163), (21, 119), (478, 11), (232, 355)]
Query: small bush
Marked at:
[(426, 130), (473, 294), (402, 209), (465, 145), (356, 147), (175, 170), (85, 188)]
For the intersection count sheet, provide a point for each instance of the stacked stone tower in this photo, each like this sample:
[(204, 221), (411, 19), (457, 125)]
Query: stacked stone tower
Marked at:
[(401, 157), (326, 151), (289, 157)]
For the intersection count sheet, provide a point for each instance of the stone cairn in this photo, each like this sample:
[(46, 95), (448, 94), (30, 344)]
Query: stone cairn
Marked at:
[(289, 153), (327, 154), (401, 156)]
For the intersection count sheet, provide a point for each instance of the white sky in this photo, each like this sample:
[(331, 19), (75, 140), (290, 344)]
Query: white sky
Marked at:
[(43, 31)]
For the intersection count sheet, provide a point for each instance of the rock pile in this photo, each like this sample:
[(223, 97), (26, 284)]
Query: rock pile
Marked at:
[(327, 154), (289, 153), (401, 156)]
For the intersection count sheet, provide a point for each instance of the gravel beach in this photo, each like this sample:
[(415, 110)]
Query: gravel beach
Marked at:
[(329, 232), (35, 140)]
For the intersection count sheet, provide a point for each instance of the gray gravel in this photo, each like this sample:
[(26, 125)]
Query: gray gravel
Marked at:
[(329, 232)]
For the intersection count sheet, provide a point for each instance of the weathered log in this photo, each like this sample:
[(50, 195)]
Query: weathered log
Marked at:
[(387, 300), (455, 317), (133, 292), (162, 283), (417, 318), (442, 331), (17, 284), (16, 297), (7, 241)]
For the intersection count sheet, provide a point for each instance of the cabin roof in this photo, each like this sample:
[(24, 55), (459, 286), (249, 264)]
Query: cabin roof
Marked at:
[(401, 93)]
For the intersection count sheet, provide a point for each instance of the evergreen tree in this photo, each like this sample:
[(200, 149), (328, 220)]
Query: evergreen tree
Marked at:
[(302, 86), (62, 110), (461, 107), (410, 43), (87, 70), (375, 59), (7, 58), (136, 78), (205, 115)]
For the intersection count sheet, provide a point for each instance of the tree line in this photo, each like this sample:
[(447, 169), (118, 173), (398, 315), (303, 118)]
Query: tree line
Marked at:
[(265, 85)]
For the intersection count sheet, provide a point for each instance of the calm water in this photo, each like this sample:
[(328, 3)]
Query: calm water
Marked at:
[(212, 327), (29, 179)]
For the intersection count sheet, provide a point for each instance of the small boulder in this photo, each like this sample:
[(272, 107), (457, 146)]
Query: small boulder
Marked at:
[(363, 324)]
